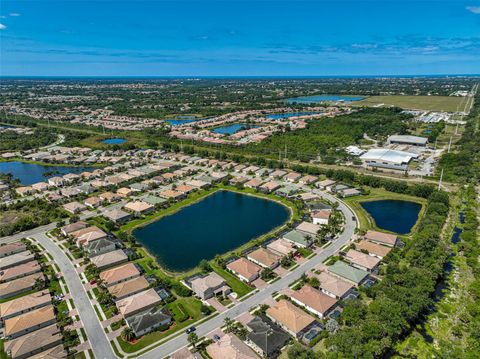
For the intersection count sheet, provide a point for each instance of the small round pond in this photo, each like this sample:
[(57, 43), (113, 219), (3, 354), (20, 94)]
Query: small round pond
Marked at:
[(393, 215), (217, 224)]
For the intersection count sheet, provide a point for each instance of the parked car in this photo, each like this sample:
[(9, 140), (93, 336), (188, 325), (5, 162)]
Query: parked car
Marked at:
[(190, 330)]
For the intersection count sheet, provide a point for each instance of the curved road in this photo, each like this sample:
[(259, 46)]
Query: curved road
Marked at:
[(96, 335)]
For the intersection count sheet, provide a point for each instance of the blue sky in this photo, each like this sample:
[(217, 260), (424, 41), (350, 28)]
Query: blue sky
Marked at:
[(238, 38)]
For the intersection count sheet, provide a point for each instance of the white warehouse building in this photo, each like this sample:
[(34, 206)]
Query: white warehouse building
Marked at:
[(388, 159), (407, 140)]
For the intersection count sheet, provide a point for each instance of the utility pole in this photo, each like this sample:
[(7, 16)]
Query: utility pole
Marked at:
[(440, 181), (285, 158), (449, 144)]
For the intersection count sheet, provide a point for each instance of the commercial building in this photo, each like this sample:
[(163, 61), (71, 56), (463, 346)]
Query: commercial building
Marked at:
[(387, 159)]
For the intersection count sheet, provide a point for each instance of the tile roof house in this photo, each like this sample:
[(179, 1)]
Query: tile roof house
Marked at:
[(231, 347), (117, 215), (265, 258), (292, 176), (265, 337), (119, 274), (347, 272), (184, 353), (57, 352), (333, 285), (308, 179), (89, 234), (291, 318), (210, 285), (29, 322), (244, 269), (20, 285), (129, 287), (308, 228), (254, 183), (73, 227), (109, 197), (22, 270), (33, 343), (321, 217), (98, 247), (109, 259), (15, 259), (74, 207), (362, 260), (93, 202), (149, 320), (139, 207), (298, 239), (381, 238), (11, 248), (24, 304), (372, 248), (269, 186), (138, 302), (281, 246), (172, 194), (314, 300)]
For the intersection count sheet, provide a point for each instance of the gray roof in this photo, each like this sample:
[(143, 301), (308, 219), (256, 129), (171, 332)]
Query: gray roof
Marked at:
[(297, 237), (145, 320), (408, 139), (99, 244), (267, 336)]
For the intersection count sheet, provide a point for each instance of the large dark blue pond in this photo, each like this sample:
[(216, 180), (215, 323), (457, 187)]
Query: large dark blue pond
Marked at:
[(323, 98), (221, 222), (393, 215), (279, 116), (29, 173)]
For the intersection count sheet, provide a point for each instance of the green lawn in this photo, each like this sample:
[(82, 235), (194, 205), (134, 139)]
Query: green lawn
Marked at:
[(429, 103), (191, 305), (233, 282)]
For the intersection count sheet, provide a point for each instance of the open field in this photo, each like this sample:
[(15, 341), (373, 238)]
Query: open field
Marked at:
[(428, 103)]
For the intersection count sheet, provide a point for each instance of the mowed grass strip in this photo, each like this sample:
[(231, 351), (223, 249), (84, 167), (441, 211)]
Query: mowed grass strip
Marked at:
[(428, 103)]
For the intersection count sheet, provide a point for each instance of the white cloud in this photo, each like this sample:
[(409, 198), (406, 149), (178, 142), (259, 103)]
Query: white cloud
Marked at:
[(14, 14), (2, 27), (473, 9)]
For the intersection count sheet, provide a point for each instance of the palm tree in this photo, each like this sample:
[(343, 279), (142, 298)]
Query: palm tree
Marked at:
[(193, 339), (128, 334), (229, 323)]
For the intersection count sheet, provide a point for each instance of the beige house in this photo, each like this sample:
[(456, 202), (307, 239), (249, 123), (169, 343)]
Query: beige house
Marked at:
[(244, 269), (265, 258), (231, 347), (210, 285), (138, 302), (314, 300), (28, 345), (24, 304), (119, 274), (128, 288), (291, 318), (29, 322), (139, 207)]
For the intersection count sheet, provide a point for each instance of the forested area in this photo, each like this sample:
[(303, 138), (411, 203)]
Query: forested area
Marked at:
[(464, 162), (402, 297), (13, 141)]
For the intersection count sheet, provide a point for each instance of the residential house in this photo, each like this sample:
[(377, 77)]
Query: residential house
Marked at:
[(265, 337), (291, 318), (73, 227), (314, 300), (244, 269), (321, 217), (21, 270), (128, 288), (230, 346), (172, 194), (139, 208), (33, 343), (308, 179), (149, 320), (93, 202), (124, 192), (74, 207), (99, 246), (265, 258), (326, 185), (334, 286), (254, 183), (15, 259), (292, 177), (210, 285), (282, 247), (20, 285), (117, 215), (309, 229), (362, 260), (11, 248), (298, 239), (56, 181), (24, 304), (347, 272), (119, 274), (269, 187), (109, 259), (385, 239), (29, 322), (372, 248), (138, 302)]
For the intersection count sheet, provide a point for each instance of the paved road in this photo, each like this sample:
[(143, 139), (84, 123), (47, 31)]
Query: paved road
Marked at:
[(95, 333), (92, 325), (205, 328)]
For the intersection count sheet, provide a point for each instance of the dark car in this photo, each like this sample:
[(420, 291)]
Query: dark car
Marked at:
[(190, 330)]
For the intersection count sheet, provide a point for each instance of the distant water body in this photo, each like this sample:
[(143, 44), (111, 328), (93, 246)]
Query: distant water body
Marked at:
[(278, 116), (324, 98), (30, 173), (114, 141), (232, 129)]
